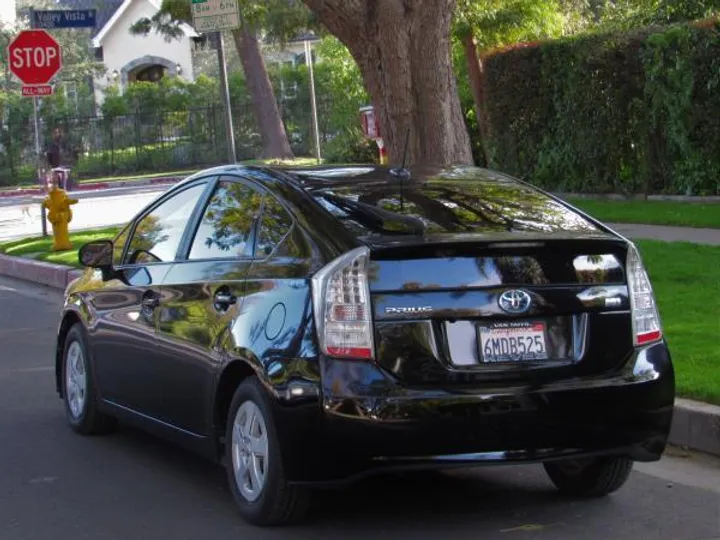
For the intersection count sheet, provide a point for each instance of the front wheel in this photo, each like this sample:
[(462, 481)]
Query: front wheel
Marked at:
[(253, 462), (594, 477), (78, 389)]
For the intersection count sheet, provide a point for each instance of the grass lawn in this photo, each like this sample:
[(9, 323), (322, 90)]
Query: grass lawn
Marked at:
[(652, 212), (686, 280), (685, 276), (40, 248)]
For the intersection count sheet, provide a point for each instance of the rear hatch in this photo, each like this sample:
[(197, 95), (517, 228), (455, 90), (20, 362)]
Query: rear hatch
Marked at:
[(486, 279)]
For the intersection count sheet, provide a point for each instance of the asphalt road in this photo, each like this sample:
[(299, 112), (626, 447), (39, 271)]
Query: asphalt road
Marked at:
[(21, 218), (56, 485)]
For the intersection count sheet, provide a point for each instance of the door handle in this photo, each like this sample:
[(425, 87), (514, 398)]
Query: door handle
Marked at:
[(150, 301), (224, 299)]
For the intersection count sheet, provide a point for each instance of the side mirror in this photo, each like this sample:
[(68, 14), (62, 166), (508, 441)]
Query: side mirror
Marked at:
[(97, 254)]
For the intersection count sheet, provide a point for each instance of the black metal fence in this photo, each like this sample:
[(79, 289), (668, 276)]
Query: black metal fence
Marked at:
[(147, 142)]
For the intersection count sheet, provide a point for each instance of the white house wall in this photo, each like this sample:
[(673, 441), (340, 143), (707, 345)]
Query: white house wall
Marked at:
[(121, 48)]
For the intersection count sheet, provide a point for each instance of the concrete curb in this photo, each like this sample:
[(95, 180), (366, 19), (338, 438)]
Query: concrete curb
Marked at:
[(56, 276), (94, 186), (695, 426)]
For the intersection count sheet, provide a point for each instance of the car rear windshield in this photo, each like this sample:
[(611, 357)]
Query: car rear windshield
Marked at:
[(448, 207)]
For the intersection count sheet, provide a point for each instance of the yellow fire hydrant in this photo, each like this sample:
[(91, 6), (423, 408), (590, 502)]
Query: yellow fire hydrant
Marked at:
[(59, 215)]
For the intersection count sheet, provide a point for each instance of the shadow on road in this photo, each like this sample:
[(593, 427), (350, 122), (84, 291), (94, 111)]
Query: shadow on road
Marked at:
[(487, 496)]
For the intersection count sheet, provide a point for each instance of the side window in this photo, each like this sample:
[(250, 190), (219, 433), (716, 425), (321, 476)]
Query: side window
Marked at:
[(276, 222), (119, 245), (157, 235), (226, 229)]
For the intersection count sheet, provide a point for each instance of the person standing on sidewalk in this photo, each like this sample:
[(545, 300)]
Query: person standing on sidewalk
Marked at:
[(54, 158)]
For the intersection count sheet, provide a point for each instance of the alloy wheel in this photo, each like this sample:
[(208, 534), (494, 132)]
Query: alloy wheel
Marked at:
[(75, 379), (250, 451)]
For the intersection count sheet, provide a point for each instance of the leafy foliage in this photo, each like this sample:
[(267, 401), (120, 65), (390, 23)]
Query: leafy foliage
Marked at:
[(616, 112)]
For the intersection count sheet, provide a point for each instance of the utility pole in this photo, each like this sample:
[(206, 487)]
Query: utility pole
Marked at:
[(316, 129)]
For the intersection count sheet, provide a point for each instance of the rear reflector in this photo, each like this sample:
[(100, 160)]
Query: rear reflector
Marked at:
[(647, 327), (341, 301)]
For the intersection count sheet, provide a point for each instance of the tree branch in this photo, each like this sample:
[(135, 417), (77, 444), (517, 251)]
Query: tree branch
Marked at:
[(344, 18)]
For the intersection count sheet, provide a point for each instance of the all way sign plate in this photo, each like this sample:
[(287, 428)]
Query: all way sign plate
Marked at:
[(215, 15), (40, 90)]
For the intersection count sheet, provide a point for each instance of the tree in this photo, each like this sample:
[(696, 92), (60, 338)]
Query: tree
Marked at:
[(402, 48), (484, 25), (278, 18)]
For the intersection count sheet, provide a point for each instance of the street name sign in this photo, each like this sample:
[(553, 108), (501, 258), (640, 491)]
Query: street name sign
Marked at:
[(215, 15), (64, 18), (34, 57)]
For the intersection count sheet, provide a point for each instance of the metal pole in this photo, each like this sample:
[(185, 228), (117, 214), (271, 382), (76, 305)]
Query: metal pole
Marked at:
[(316, 129), (232, 155), (43, 218), (38, 151)]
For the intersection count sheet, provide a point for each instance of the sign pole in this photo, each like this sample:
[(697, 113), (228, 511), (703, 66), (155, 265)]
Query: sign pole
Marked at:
[(38, 150), (232, 155)]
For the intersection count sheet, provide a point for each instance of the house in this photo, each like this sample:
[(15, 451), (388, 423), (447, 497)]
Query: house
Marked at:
[(130, 58), (7, 12)]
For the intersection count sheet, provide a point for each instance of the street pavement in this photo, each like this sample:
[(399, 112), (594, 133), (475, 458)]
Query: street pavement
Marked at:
[(20, 218), (56, 485)]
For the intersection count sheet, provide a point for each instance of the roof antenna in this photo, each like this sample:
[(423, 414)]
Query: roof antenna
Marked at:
[(402, 173)]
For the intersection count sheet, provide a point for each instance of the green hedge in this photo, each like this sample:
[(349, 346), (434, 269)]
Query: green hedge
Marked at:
[(624, 113)]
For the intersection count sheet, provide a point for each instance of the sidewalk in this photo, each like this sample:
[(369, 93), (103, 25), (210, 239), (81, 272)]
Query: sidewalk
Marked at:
[(668, 234), (94, 186)]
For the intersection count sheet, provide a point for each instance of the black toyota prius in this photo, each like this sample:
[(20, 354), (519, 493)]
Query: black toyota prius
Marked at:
[(309, 327)]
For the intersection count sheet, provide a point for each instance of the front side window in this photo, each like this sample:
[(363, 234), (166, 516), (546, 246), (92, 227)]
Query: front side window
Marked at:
[(157, 235), (228, 223), (119, 245)]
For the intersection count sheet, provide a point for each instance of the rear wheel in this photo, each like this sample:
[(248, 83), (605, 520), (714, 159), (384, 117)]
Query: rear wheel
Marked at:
[(78, 388), (593, 477), (253, 462)]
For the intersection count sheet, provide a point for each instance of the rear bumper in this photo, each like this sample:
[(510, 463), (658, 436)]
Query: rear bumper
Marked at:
[(365, 422)]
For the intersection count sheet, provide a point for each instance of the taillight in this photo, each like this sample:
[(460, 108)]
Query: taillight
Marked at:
[(341, 300), (645, 317)]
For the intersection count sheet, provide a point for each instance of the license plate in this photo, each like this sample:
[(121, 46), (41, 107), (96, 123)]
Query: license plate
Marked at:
[(513, 342)]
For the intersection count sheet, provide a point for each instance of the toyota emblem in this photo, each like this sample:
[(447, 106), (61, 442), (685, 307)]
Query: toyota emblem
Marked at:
[(515, 301)]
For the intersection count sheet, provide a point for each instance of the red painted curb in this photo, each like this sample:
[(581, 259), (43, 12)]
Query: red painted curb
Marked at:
[(56, 276)]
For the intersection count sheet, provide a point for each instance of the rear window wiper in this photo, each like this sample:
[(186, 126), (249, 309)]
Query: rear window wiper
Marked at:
[(376, 218)]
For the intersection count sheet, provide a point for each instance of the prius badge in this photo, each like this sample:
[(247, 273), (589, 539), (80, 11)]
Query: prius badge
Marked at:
[(515, 301)]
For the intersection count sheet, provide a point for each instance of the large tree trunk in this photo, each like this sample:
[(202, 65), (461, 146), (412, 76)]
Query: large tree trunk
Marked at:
[(477, 73), (402, 48), (272, 130)]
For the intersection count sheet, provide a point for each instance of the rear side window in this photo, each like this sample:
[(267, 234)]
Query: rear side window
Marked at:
[(276, 223), (437, 207), (228, 222)]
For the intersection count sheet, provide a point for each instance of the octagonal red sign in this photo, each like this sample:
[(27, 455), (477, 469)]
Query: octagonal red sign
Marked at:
[(34, 57)]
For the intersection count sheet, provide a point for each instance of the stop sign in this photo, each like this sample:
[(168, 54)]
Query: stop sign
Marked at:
[(34, 56)]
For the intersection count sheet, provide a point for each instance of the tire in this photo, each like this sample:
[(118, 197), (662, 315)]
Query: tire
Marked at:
[(79, 394), (264, 497), (595, 477)]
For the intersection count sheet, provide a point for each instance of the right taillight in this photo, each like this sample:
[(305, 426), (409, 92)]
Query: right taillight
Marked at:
[(341, 301), (645, 317)]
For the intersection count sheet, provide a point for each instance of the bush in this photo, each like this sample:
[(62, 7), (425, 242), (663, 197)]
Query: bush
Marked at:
[(610, 113), (350, 146)]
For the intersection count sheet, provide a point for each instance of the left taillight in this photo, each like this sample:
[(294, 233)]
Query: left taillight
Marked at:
[(341, 301)]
